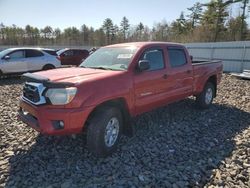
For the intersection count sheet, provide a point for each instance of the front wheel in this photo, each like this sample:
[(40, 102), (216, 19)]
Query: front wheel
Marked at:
[(104, 131), (205, 98)]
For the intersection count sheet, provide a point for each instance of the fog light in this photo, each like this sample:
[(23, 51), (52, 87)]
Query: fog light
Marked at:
[(58, 124), (25, 112)]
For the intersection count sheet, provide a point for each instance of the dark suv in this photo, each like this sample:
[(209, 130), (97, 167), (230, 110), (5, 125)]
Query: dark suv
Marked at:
[(72, 56)]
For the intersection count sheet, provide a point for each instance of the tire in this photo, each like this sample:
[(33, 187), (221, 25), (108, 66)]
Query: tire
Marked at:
[(105, 121), (48, 67), (205, 98)]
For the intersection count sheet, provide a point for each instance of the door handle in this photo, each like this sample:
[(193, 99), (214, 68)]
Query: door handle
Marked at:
[(189, 71), (165, 76)]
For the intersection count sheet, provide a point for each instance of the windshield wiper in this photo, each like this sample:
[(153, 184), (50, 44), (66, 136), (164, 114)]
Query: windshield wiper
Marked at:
[(103, 68)]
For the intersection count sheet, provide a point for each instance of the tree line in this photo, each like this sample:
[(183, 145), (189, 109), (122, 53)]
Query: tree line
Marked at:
[(210, 22)]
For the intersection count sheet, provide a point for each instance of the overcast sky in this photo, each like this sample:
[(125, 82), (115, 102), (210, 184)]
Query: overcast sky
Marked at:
[(66, 13)]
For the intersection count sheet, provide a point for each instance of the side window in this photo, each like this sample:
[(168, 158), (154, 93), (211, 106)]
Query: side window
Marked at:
[(33, 53), (68, 53), (155, 58), (83, 53), (77, 52), (177, 57), (17, 54)]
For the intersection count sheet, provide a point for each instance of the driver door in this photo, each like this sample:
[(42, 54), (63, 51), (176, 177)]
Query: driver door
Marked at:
[(16, 62), (151, 85)]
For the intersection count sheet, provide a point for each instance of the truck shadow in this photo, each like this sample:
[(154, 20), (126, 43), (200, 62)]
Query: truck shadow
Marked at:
[(177, 143)]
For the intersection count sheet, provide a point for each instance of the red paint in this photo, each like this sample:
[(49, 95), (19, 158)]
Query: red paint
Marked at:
[(98, 86)]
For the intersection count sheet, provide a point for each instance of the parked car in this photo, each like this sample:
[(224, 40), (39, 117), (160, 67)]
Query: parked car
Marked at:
[(19, 60), (72, 56), (112, 85), (50, 51)]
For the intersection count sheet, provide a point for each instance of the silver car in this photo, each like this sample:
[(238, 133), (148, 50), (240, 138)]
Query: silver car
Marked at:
[(18, 60)]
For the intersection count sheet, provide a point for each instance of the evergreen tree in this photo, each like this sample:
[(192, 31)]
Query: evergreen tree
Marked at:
[(108, 27), (85, 34), (179, 28), (195, 15), (140, 29), (124, 27), (214, 17)]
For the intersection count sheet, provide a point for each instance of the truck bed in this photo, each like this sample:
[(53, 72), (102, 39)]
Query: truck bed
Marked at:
[(203, 70)]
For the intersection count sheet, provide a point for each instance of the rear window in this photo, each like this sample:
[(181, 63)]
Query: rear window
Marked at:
[(51, 52), (177, 57), (33, 53)]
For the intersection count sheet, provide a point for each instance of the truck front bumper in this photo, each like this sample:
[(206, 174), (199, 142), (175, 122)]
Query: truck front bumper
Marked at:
[(45, 119)]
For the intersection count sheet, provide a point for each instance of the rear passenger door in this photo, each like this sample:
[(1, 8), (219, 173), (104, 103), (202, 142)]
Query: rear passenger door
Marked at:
[(77, 57), (180, 73), (35, 59)]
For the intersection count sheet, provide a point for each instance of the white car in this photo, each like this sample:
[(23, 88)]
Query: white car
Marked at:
[(19, 60)]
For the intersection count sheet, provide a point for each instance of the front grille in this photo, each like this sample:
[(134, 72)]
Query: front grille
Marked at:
[(31, 93)]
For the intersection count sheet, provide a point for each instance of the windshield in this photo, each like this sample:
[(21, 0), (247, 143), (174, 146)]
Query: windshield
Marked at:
[(117, 58), (4, 52)]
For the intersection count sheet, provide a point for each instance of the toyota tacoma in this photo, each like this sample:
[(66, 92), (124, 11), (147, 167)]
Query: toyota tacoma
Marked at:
[(112, 85)]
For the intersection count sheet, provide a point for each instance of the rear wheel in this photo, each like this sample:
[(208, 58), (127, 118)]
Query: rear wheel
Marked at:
[(48, 67), (205, 98), (104, 131)]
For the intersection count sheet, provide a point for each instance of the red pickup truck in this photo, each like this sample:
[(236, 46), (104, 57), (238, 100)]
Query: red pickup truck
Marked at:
[(112, 85)]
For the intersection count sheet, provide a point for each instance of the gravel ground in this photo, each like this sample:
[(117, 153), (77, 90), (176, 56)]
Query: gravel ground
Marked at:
[(175, 146)]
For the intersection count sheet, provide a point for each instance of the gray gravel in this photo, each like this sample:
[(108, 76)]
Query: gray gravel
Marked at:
[(174, 146)]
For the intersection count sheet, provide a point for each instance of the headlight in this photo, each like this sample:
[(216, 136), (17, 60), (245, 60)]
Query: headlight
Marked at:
[(61, 96)]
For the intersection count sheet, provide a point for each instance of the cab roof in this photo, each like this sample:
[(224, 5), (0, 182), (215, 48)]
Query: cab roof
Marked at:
[(143, 44), (28, 48)]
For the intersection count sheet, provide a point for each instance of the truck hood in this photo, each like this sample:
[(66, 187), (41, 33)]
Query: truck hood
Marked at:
[(76, 75)]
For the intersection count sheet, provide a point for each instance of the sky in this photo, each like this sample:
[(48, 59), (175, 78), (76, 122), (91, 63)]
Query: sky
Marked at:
[(66, 13)]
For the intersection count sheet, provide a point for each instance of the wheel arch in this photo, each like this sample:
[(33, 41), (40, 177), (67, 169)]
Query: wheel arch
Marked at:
[(213, 79), (48, 65), (119, 103)]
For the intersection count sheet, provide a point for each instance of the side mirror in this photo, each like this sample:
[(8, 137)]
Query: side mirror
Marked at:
[(6, 57), (191, 57), (143, 65)]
